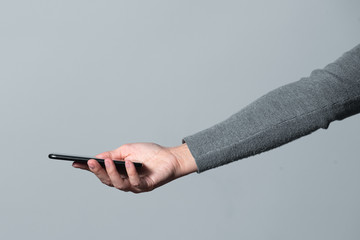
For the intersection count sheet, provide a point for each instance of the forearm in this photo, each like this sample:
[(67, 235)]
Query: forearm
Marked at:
[(283, 115)]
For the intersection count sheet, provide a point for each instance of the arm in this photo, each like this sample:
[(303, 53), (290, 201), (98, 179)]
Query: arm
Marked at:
[(283, 115)]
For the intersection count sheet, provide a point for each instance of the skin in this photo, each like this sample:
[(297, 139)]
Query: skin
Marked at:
[(160, 166)]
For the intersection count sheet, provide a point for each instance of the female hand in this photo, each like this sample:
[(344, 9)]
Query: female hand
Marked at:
[(160, 165)]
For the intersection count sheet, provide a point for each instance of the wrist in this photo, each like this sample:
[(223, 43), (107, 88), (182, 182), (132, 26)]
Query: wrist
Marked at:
[(185, 159)]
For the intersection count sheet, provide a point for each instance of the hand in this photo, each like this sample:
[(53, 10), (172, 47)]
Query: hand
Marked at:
[(160, 165)]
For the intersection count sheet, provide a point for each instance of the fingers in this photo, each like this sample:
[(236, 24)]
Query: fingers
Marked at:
[(83, 166), (133, 183), (115, 177), (134, 179), (100, 172), (111, 176)]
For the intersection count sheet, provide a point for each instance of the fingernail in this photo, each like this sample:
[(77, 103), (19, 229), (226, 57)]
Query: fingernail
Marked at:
[(107, 162), (91, 166), (127, 163)]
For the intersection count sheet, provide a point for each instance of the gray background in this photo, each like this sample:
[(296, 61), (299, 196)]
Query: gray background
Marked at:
[(83, 77)]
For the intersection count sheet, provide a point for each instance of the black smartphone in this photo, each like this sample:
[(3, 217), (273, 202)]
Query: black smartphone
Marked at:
[(118, 164)]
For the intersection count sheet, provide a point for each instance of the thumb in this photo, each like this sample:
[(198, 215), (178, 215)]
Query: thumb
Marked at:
[(104, 155), (117, 154)]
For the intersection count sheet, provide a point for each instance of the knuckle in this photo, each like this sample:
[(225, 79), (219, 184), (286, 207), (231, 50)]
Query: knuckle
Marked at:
[(123, 176), (125, 147), (136, 191), (95, 170), (106, 182), (136, 184), (120, 187)]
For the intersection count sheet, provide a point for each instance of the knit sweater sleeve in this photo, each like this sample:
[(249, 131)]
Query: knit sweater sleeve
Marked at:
[(282, 115)]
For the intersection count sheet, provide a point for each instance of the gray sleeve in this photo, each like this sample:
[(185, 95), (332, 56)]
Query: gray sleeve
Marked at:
[(282, 115)]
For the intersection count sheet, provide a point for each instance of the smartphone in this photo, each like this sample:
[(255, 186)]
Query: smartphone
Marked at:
[(118, 164)]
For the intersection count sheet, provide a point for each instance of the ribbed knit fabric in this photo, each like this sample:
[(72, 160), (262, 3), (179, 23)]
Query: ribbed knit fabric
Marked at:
[(282, 115)]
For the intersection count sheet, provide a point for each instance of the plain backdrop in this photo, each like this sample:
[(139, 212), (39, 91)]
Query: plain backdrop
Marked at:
[(83, 77)]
